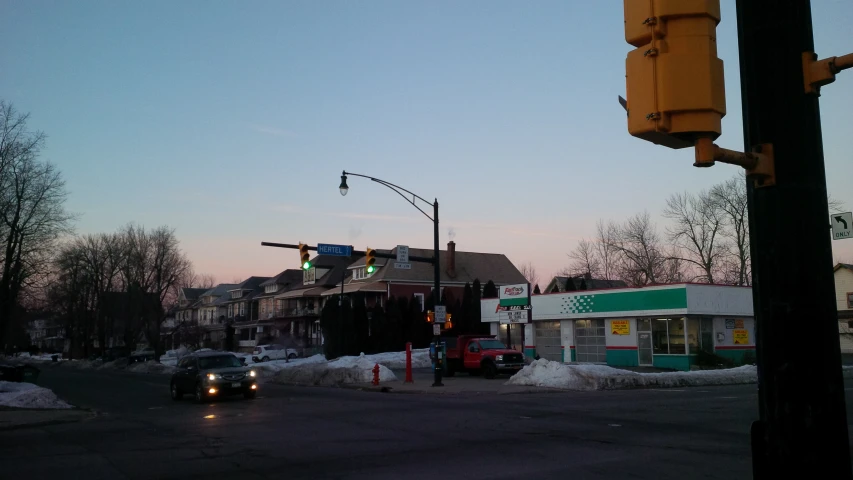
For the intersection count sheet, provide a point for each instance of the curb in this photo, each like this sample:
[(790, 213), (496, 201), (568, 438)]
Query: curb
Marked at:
[(64, 416)]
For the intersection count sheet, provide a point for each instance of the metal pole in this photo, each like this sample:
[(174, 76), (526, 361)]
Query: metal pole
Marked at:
[(803, 420), (437, 293)]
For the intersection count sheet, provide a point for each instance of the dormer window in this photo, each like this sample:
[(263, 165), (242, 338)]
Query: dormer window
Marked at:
[(271, 289), (361, 273), (236, 294)]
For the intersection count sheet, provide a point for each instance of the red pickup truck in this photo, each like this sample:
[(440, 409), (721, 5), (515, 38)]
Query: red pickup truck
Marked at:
[(484, 354)]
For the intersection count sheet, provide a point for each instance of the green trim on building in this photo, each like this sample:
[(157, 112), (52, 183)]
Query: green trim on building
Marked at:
[(530, 352), (622, 358), (736, 355), (639, 300), (573, 355), (676, 362), (563, 355), (513, 302)]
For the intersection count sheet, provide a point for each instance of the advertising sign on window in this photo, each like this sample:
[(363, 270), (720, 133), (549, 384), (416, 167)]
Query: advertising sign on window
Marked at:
[(741, 337), (620, 327)]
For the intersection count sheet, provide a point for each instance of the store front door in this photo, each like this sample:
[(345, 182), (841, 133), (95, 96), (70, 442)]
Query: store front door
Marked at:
[(644, 341)]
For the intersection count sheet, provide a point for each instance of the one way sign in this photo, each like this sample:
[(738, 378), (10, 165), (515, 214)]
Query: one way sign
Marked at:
[(842, 225)]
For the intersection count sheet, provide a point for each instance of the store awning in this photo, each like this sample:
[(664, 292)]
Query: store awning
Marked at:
[(376, 287)]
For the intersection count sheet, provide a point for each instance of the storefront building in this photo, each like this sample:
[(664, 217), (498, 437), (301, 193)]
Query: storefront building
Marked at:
[(663, 326)]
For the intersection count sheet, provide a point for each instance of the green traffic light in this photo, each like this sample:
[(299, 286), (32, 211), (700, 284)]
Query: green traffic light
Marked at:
[(371, 269), (306, 265)]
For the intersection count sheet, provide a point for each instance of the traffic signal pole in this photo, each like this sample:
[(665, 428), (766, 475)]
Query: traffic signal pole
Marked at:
[(803, 421)]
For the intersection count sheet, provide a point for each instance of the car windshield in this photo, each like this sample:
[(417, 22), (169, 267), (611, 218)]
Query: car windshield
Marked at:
[(219, 361), (492, 345)]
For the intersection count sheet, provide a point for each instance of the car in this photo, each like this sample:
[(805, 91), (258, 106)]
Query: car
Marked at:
[(142, 355), (209, 375), (265, 353)]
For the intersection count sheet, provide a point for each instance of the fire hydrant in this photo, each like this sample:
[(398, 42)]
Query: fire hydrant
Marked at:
[(376, 374)]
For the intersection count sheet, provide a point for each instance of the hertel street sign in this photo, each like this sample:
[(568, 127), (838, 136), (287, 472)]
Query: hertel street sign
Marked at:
[(334, 250), (842, 225)]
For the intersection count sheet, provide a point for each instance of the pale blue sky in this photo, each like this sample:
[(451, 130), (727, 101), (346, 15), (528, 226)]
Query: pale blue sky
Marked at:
[(231, 121)]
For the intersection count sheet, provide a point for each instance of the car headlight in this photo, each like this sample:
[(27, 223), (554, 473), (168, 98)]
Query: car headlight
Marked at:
[(499, 358), (252, 373), (212, 376)]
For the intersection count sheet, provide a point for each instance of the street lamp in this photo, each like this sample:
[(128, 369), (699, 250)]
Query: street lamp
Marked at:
[(344, 188)]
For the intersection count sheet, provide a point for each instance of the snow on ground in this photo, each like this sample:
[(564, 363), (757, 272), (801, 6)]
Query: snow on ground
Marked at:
[(545, 373), (151, 366), (397, 360), (269, 369), (27, 395), (336, 372)]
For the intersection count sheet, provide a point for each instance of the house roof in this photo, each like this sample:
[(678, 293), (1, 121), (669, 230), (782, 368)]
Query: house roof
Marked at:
[(193, 293), (469, 266), (218, 290), (251, 283), (843, 265), (591, 283), (358, 287), (335, 267), (288, 277)]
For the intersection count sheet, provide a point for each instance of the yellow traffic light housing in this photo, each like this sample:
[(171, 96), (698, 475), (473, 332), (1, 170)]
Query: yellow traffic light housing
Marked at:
[(675, 83), (370, 260), (304, 257)]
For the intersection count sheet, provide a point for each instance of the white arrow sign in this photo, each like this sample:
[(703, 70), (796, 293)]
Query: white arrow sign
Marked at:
[(842, 225)]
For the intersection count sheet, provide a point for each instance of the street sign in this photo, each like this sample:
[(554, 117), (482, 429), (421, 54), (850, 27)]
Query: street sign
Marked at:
[(514, 316), (842, 225), (403, 266), (515, 295), (436, 329), (512, 307), (440, 314), (403, 253), (334, 250)]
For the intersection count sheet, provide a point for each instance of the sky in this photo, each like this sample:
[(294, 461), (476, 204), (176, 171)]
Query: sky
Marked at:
[(232, 121)]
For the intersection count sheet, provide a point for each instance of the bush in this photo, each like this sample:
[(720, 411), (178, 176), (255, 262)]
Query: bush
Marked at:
[(705, 359)]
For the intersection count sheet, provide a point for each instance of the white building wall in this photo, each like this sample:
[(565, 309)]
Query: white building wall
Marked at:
[(567, 338), (713, 299), (724, 337), (843, 285)]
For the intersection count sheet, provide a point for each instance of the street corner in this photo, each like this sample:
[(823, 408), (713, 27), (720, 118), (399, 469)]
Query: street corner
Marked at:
[(17, 418)]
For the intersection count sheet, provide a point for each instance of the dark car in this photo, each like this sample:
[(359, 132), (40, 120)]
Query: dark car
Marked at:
[(208, 375)]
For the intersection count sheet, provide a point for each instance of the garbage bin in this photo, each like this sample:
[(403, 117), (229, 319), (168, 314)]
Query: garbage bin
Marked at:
[(28, 373), (19, 373)]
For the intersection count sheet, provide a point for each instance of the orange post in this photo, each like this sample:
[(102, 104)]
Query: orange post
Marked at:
[(376, 374), (409, 363)]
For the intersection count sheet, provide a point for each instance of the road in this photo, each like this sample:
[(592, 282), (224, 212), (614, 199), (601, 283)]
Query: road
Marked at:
[(337, 433)]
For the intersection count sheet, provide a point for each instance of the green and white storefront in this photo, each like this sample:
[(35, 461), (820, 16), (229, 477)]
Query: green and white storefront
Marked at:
[(662, 326)]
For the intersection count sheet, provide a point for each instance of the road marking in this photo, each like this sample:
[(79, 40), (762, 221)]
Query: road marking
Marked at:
[(666, 390), (613, 425), (154, 408), (727, 398), (525, 418), (209, 416)]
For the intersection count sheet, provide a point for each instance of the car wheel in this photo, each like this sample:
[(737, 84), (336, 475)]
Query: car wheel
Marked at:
[(177, 394), (265, 359), (250, 394), (490, 370), (291, 356), (200, 397)]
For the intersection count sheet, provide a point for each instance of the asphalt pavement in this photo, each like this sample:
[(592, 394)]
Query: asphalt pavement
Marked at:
[(138, 432)]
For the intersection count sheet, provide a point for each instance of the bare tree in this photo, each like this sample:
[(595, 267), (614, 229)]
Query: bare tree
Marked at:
[(529, 272), (206, 280), (585, 260), (696, 231), (730, 197), (639, 251), (32, 213)]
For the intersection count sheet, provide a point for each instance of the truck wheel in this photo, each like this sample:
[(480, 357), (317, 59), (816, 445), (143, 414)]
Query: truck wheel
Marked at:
[(489, 370)]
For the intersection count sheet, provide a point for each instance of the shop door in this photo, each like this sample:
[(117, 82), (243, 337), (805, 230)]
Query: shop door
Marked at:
[(548, 340), (644, 341), (590, 341)]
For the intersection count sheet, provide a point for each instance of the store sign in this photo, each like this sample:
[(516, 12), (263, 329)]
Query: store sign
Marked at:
[(741, 337), (514, 295), (739, 323), (730, 323), (620, 327), (514, 316)]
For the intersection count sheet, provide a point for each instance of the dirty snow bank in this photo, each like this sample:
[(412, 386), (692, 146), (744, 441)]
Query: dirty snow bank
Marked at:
[(27, 395), (545, 373), (268, 369), (151, 366), (341, 371)]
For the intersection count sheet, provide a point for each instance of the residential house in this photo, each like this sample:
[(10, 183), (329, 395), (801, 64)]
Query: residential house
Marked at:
[(187, 305), (243, 315), (457, 269), (300, 304), (269, 307), (47, 334), (561, 284), (843, 273)]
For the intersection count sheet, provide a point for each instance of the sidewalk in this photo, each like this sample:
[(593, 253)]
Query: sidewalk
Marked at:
[(13, 418), (461, 383)]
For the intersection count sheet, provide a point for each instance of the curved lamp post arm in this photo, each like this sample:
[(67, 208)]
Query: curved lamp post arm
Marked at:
[(399, 190)]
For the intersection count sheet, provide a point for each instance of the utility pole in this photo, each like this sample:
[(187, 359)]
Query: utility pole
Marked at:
[(803, 422)]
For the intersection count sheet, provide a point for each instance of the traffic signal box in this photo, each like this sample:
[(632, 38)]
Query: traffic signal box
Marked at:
[(304, 257), (675, 83), (370, 259)]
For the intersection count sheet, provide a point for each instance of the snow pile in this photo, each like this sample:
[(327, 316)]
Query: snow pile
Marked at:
[(397, 360), (27, 395), (341, 371), (151, 366), (545, 373), (266, 369)]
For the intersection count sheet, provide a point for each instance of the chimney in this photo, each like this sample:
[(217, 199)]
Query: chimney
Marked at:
[(451, 258)]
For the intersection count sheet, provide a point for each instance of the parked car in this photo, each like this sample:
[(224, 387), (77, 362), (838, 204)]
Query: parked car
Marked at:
[(212, 374), (484, 354), (142, 355), (265, 353)]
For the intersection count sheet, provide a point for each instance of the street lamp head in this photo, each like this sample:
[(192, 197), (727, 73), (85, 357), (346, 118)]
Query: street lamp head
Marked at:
[(344, 188)]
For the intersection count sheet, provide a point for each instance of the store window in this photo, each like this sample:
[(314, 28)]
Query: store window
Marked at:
[(668, 336), (514, 340), (590, 341)]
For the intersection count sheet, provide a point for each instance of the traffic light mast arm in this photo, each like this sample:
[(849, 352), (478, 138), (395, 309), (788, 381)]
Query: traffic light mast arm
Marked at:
[(399, 190), (412, 258), (817, 73), (759, 164)]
